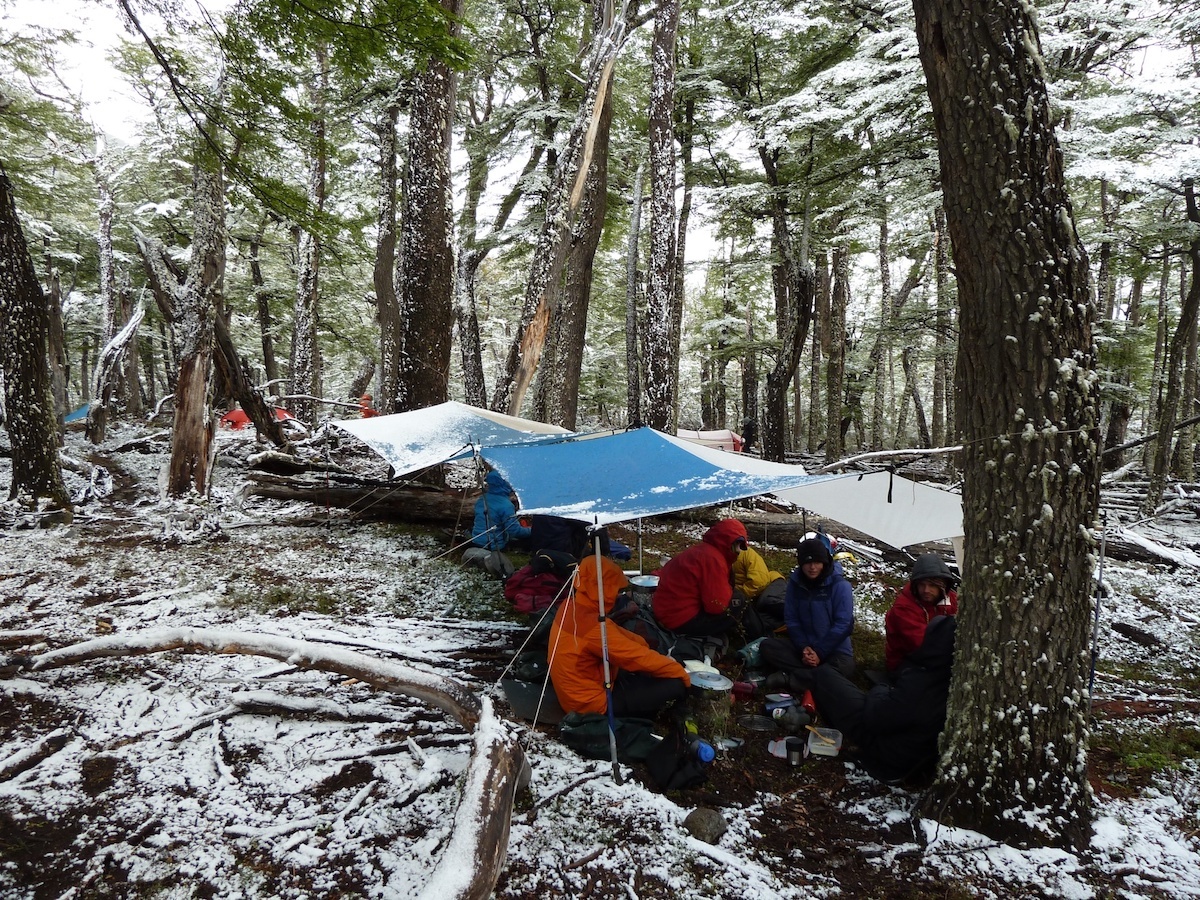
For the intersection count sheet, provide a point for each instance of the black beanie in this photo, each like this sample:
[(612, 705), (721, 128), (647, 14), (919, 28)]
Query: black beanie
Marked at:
[(813, 550)]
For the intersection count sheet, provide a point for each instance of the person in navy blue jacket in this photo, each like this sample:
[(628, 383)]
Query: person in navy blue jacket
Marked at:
[(496, 522), (818, 611)]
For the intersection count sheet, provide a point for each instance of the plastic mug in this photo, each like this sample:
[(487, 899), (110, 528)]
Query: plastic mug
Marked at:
[(795, 750)]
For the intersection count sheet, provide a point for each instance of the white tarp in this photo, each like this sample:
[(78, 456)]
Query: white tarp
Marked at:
[(888, 507), (415, 440)]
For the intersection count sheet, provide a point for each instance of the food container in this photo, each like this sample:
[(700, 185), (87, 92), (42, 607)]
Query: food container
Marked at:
[(824, 741), (643, 587)]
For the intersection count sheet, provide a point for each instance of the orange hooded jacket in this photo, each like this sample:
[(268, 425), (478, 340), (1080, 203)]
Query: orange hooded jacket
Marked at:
[(576, 653)]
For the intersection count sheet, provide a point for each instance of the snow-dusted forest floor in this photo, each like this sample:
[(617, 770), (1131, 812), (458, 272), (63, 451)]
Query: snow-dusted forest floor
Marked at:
[(200, 775)]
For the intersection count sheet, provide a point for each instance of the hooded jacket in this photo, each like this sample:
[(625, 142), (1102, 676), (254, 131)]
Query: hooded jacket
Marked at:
[(751, 575), (576, 651), (905, 623), (820, 613), (496, 521), (700, 579)]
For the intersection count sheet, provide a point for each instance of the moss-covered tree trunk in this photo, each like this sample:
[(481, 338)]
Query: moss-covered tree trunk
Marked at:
[(24, 335), (1014, 750)]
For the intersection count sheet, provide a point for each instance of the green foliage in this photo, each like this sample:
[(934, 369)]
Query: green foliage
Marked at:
[(1145, 751)]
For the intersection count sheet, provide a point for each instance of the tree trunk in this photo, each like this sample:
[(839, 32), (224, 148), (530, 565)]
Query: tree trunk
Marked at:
[(792, 279), (306, 347), (387, 306), (820, 344), (1013, 761), (262, 298), (24, 335), (633, 373), (835, 372), (57, 341), (942, 344), (1169, 412), (660, 388), (912, 388), (1183, 460), (881, 352), (427, 238), (192, 433), (562, 199), (557, 400), (1121, 409), (1157, 378)]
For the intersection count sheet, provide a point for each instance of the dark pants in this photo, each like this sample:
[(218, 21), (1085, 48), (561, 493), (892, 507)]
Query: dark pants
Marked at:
[(840, 702), (781, 655), (642, 696), (706, 624)]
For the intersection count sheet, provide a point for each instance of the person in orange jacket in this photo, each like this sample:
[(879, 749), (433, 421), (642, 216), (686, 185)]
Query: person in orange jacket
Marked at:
[(695, 588), (644, 682)]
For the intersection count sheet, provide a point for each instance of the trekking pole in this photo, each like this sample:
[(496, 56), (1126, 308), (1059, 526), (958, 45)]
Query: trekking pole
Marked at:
[(1096, 623), (612, 718)]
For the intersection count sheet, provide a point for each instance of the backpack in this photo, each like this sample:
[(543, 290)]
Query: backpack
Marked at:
[(587, 735), (672, 766), (530, 590)]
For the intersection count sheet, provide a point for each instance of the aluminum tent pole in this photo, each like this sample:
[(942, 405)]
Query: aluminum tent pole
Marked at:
[(612, 718)]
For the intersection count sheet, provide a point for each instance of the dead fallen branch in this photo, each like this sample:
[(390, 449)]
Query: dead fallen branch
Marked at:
[(497, 767), (369, 498), (26, 759)]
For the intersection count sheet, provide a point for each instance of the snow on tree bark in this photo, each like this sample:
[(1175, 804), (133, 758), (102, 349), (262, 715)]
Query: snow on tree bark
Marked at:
[(387, 306), (1168, 413), (306, 349), (192, 432), (24, 330), (1013, 762), (660, 387), (426, 286), (557, 390), (562, 199), (633, 378)]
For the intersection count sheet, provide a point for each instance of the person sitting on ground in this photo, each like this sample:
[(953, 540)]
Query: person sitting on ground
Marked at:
[(496, 524), (644, 682), (763, 591), (929, 592), (894, 727), (819, 614), (695, 588)]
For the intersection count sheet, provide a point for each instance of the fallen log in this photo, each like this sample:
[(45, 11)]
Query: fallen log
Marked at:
[(370, 498), (496, 770)]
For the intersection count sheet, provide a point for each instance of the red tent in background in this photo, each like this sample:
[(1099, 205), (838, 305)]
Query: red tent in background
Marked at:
[(237, 418)]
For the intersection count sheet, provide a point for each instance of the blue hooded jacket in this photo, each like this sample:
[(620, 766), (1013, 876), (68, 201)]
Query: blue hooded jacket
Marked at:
[(820, 615), (496, 521)]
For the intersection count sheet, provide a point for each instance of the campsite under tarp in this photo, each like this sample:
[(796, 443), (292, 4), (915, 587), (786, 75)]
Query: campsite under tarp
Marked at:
[(619, 476), (415, 440), (615, 477)]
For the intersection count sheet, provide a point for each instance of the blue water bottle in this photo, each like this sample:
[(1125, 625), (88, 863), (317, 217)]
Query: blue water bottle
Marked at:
[(702, 751)]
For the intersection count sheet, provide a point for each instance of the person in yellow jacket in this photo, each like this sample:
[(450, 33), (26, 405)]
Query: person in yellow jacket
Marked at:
[(644, 681), (754, 580)]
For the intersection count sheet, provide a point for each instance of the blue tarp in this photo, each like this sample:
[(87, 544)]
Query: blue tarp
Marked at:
[(626, 475), (78, 414)]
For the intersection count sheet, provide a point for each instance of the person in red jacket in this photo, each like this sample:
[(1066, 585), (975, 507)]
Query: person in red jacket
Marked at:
[(928, 593), (644, 681), (695, 588)]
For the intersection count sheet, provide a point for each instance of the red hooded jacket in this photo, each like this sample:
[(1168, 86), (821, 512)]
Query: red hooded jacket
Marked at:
[(905, 623), (700, 578), (576, 653)]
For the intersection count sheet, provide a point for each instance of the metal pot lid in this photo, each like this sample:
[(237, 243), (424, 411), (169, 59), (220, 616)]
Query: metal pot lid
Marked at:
[(711, 681), (644, 581)]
